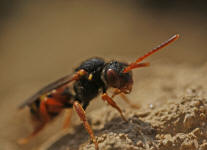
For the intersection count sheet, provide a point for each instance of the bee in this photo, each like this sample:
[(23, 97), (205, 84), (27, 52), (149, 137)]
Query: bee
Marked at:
[(93, 77)]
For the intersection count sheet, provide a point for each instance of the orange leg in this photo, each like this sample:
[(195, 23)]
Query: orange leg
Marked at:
[(128, 101), (81, 113), (43, 111), (119, 92), (116, 92), (53, 102), (43, 121), (68, 118), (53, 105), (56, 106), (110, 101), (35, 132)]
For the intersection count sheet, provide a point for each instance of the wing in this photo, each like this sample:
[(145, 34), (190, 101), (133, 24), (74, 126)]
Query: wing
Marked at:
[(54, 85)]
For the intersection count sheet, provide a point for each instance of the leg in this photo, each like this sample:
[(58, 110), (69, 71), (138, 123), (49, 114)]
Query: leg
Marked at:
[(68, 118), (56, 107), (110, 101), (128, 101), (42, 118), (35, 132), (119, 92), (116, 92), (81, 113)]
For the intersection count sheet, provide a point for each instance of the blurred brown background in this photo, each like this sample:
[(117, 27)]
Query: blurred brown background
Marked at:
[(42, 41)]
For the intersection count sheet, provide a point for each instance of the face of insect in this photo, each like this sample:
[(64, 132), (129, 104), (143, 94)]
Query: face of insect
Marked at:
[(114, 76)]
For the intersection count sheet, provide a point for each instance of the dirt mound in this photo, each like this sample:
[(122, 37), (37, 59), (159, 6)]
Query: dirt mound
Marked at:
[(176, 119), (181, 125)]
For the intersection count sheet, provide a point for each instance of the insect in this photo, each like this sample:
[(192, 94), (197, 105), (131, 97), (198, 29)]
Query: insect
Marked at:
[(94, 76)]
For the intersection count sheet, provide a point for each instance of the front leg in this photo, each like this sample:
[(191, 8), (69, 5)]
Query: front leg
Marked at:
[(123, 96), (135, 106), (110, 101)]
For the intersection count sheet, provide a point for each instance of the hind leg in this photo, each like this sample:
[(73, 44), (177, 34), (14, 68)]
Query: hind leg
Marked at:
[(40, 118), (68, 118), (35, 132)]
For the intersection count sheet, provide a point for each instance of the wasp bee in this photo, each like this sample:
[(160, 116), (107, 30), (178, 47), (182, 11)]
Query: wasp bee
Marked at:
[(93, 77)]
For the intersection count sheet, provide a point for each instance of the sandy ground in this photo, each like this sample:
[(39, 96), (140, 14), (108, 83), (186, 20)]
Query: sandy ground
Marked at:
[(172, 118)]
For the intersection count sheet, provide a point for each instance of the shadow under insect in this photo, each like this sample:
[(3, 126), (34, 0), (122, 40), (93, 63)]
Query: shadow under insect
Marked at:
[(135, 130)]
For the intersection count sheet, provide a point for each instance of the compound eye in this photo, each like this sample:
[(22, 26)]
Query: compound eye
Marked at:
[(113, 78)]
